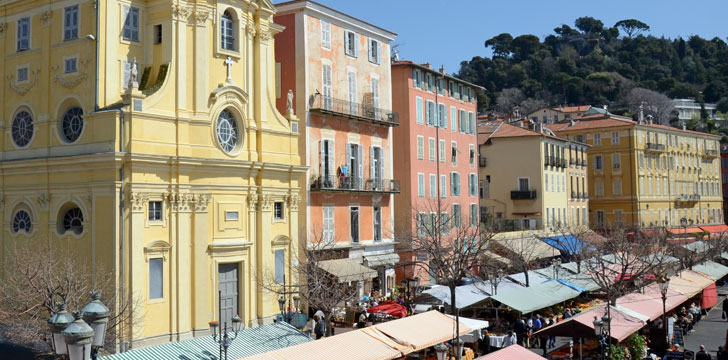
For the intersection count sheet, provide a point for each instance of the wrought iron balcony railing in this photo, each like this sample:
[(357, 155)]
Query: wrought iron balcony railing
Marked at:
[(354, 185), (353, 110), (523, 194), (655, 147), (710, 153)]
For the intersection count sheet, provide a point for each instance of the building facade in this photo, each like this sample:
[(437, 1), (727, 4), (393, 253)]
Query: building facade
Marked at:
[(536, 194), (554, 115), (648, 175), (690, 109), (724, 178), (144, 136), (436, 153), (338, 68)]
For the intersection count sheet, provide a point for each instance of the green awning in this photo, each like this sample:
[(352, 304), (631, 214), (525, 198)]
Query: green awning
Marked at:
[(249, 342), (529, 299), (712, 269), (347, 270)]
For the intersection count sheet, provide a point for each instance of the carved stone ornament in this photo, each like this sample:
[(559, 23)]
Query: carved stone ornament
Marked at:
[(3, 27), (138, 200), (22, 89), (293, 202), (94, 4), (201, 17), (71, 80), (265, 36), (266, 204), (250, 29), (181, 12), (181, 202), (44, 201), (253, 201), (201, 201), (2, 203), (45, 17)]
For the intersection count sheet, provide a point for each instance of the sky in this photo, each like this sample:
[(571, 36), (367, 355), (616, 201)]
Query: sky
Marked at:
[(446, 32)]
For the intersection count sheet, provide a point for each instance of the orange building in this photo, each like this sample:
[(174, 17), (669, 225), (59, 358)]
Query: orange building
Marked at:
[(436, 149), (337, 68)]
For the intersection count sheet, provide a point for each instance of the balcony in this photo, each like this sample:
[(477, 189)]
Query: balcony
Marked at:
[(687, 198), (523, 194), (355, 111), (502, 225), (710, 153), (583, 162), (562, 162), (481, 162), (354, 185), (655, 147)]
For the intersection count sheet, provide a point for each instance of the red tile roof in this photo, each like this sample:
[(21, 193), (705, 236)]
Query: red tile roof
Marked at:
[(572, 109), (598, 121), (502, 129)]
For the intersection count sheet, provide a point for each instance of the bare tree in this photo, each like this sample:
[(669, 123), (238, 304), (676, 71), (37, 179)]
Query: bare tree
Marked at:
[(523, 250), (530, 105), (38, 279), (653, 103), (689, 255), (448, 247), (509, 99)]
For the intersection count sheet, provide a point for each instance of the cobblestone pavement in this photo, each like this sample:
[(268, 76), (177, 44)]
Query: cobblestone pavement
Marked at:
[(711, 330)]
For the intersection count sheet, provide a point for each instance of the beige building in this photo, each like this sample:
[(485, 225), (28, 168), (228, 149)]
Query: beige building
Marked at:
[(648, 175), (526, 178), (552, 115)]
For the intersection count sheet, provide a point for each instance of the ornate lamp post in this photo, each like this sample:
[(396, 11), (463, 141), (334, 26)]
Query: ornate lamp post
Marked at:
[(441, 351), (600, 330), (72, 336), (556, 264), (664, 285), (223, 340), (638, 282)]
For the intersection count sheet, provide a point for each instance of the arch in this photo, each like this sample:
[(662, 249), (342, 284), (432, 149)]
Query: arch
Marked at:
[(26, 205), (23, 107), (229, 33), (68, 102), (281, 240), (234, 105), (62, 208)]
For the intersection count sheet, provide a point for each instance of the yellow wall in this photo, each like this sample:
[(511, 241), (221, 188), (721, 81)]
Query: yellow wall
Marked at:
[(169, 153)]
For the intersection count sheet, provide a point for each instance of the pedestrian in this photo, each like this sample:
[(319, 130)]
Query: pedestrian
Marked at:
[(702, 355), (552, 339), (725, 308), (722, 354), (537, 325), (484, 343), (320, 328), (510, 339), (520, 329), (529, 331)]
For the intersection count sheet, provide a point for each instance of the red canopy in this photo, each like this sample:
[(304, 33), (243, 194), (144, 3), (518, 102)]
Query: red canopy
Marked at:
[(715, 228), (390, 308), (687, 230), (710, 297)]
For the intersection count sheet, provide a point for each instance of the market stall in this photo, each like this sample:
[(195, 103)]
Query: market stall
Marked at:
[(510, 353), (536, 297), (712, 269)]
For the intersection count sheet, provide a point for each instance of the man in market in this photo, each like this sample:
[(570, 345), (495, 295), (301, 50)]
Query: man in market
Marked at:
[(537, 325), (520, 328), (702, 354)]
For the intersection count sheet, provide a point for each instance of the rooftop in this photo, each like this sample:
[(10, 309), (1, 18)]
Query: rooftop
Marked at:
[(431, 70), (320, 8), (598, 121)]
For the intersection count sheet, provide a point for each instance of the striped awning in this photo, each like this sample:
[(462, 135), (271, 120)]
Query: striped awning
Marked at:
[(249, 342)]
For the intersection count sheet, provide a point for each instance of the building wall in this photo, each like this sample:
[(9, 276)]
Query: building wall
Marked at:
[(577, 186), (650, 192), (158, 143), (408, 166)]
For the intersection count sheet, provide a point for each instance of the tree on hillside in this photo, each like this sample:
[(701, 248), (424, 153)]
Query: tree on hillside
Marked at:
[(501, 45), (509, 99), (632, 27), (652, 103), (589, 25)]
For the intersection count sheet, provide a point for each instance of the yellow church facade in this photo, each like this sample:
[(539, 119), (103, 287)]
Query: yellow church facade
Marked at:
[(144, 135)]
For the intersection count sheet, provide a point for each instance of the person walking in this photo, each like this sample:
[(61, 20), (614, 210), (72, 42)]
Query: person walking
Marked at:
[(510, 339), (722, 354), (702, 355), (320, 328), (520, 329)]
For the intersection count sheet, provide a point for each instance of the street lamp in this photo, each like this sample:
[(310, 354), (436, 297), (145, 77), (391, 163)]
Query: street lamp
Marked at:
[(556, 264), (600, 330), (458, 347), (224, 340), (664, 285), (638, 282), (73, 336), (441, 351), (58, 322)]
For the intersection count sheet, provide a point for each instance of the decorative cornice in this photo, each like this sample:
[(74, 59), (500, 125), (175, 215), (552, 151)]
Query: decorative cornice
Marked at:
[(266, 203), (181, 202), (201, 201), (138, 200), (22, 89), (45, 17), (44, 201), (265, 36), (71, 80)]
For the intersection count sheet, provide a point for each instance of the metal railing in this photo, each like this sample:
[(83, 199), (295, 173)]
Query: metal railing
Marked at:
[(655, 147), (359, 111), (688, 197), (523, 194), (503, 225), (710, 153), (354, 184)]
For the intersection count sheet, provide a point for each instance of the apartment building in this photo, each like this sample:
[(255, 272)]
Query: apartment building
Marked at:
[(724, 178), (144, 138), (436, 153), (552, 115), (337, 69), (648, 175), (527, 177)]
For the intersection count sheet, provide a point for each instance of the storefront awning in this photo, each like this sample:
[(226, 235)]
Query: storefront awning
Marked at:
[(537, 297), (712, 269), (512, 352), (474, 324), (347, 270), (465, 295), (420, 331), (673, 299), (534, 278), (582, 325), (690, 283), (643, 304), (528, 247), (495, 257), (687, 230), (567, 244), (697, 246), (250, 341), (381, 260)]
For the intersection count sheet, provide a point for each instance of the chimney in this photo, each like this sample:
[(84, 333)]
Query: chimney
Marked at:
[(427, 65), (683, 125), (649, 119), (442, 69), (642, 114), (605, 107), (572, 122)]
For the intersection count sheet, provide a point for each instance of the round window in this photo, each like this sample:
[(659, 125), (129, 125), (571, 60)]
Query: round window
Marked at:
[(22, 130), (227, 131), (73, 220), (21, 222), (72, 124)]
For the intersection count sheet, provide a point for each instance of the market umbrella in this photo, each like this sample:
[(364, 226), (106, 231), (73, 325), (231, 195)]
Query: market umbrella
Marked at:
[(389, 307)]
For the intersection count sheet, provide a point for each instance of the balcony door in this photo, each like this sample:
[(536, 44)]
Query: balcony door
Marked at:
[(523, 184), (354, 224), (376, 167), (355, 173), (327, 163)]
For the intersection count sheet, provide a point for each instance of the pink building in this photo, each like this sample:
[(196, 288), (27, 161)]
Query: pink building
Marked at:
[(436, 148), (338, 68)]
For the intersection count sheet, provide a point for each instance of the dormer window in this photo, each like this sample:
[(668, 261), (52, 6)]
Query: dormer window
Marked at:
[(227, 31)]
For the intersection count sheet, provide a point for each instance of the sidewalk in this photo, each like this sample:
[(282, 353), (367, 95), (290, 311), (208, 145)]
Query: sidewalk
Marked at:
[(711, 331)]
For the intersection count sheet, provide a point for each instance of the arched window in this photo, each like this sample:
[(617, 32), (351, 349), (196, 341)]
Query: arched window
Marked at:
[(22, 222), (227, 31), (22, 129), (72, 124), (227, 131), (73, 220)]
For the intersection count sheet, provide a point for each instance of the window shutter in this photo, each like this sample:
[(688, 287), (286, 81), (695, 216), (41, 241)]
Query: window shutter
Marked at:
[(427, 113), (361, 168), (381, 163), (347, 43), (371, 50), (375, 93), (372, 171), (347, 162), (330, 145), (356, 45), (414, 78), (322, 154)]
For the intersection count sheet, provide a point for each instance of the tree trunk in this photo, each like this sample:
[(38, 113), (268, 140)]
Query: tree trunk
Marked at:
[(329, 329), (525, 273), (455, 311)]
